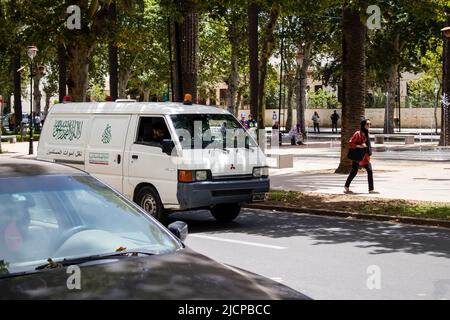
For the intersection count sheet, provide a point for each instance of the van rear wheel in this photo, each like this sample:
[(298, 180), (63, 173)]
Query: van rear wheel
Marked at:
[(148, 199), (225, 212)]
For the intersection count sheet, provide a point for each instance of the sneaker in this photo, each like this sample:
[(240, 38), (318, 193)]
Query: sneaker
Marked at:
[(348, 191)]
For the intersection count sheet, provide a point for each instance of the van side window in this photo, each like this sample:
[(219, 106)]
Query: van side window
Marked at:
[(152, 131)]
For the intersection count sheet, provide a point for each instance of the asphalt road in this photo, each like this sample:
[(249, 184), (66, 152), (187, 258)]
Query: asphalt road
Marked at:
[(329, 258)]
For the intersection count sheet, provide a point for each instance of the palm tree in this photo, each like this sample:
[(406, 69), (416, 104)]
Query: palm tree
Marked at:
[(186, 51), (253, 12), (445, 127), (354, 80)]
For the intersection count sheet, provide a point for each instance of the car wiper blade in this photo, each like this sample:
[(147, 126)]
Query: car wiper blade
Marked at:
[(79, 260)]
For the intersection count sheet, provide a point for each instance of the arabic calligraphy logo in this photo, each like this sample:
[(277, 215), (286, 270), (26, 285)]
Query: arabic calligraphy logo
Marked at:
[(106, 136), (67, 129)]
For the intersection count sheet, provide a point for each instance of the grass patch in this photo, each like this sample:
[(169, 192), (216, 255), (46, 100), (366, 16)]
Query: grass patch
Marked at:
[(26, 138), (416, 210), (360, 204)]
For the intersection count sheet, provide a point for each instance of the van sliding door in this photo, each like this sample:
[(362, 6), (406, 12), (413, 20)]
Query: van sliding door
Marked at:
[(105, 151)]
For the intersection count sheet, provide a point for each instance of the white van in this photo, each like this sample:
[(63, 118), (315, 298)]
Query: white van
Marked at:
[(164, 156)]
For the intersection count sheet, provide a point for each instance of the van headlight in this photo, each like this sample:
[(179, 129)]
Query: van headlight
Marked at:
[(260, 172), (193, 175), (201, 175)]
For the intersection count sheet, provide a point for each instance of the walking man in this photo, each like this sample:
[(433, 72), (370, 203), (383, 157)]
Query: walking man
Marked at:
[(334, 121)]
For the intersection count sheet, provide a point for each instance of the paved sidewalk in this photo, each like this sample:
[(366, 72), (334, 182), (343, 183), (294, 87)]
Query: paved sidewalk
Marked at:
[(403, 175), (18, 150)]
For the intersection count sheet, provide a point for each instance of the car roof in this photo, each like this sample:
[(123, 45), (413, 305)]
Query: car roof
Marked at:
[(13, 167), (159, 108)]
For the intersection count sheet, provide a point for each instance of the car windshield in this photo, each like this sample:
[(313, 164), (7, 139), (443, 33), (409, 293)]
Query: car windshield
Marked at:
[(201, 131), (62, 217)]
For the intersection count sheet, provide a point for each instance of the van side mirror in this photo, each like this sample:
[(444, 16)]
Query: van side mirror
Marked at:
[(167, 146)]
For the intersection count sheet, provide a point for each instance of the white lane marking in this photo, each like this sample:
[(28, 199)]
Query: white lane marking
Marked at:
[(237, 241)]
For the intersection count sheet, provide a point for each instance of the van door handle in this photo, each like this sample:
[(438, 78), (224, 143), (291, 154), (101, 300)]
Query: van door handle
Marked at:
[(119, 158), (134, 157)]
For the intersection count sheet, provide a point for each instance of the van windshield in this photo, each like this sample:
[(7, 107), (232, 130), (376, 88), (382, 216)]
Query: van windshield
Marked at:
[(201, 131)]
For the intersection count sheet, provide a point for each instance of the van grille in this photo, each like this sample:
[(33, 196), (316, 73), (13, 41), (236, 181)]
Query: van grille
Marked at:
[(233, 177)]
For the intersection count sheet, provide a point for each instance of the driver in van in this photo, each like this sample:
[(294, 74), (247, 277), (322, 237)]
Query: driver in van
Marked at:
[(158, 132)]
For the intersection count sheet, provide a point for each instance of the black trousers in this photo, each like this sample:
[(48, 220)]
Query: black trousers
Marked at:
[(316, 125), (334, 126), (354, 172)]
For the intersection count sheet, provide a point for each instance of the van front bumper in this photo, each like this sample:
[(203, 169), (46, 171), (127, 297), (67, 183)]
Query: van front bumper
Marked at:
[(207, 193)]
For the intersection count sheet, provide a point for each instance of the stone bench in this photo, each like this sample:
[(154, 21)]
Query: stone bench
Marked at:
[(408, 139), (283, 160), (12, 138)]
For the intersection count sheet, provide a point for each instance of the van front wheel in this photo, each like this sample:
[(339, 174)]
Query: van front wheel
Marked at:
[(225, 212), (149, 200)]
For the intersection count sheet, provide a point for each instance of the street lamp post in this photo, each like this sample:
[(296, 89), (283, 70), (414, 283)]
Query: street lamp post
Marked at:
[(31, 52)]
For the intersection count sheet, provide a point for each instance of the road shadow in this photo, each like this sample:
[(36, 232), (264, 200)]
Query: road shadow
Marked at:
[(380, 238)]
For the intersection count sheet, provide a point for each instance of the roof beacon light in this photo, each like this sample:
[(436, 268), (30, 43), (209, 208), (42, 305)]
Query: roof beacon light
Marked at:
[(187, 98)]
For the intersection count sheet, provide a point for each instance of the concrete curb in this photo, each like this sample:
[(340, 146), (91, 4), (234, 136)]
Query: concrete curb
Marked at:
[(360, 216)]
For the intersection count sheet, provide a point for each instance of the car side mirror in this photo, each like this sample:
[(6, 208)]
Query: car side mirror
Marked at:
[(179, 229), (167, 146)]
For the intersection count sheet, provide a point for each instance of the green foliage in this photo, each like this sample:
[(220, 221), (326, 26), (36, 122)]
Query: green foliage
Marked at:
[(322, 99), (143, 50), (376, 99), (96, 92), (421, 92), (214, 53), (409, 30)]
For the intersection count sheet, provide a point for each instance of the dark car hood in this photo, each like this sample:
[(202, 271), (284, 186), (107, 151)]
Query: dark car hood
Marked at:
[(181, 275)]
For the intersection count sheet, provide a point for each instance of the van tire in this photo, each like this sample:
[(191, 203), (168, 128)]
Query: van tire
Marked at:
[(225, 212), (148, 199)]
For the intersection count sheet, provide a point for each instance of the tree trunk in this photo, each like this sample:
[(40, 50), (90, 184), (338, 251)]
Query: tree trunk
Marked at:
[(62, 77), (113, 57), (48, 96), (290, 95), (233, 83), (17, 90), (124, 77), (253, 12), (445, 118), (113, 71), (79, 53), (37, 95), (391, 86), (189, 48), (354, 81), (146, 95), (302, 79), (1, 125), (266, 52)]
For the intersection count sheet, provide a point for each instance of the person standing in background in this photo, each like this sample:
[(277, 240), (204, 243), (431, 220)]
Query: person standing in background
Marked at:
[(315, 118), (334, 121)]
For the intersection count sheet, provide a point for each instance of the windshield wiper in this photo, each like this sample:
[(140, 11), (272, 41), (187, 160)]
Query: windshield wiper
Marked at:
[(79, 260)]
